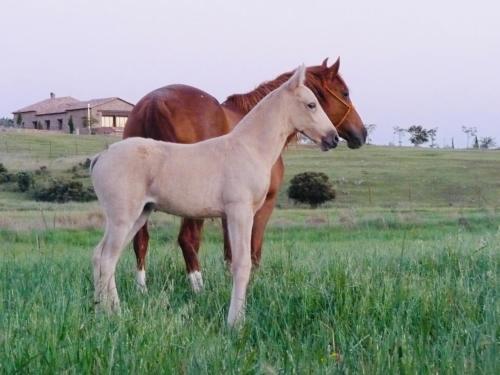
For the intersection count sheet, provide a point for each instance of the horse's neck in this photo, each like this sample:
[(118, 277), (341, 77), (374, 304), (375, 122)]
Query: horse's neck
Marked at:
[(241, 104), (265, 129), (233, 114)]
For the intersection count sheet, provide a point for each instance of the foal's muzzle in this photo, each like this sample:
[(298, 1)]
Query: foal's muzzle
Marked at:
[(331, 140)]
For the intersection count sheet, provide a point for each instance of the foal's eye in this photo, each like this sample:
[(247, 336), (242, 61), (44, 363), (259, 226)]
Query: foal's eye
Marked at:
[(311, 105)]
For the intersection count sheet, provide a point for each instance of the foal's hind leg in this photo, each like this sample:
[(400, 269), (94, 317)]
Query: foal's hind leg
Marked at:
[(105, 258), (189, 241), (141, 240)]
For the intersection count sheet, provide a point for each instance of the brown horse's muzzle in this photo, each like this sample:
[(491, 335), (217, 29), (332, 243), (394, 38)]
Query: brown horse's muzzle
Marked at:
[(356, 139), (329, 141)]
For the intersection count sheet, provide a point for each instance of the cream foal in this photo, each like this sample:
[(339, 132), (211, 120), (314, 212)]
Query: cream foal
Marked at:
[(225, 176)]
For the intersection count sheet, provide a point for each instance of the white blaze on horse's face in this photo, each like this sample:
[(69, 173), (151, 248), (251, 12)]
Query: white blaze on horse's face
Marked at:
[(308, 116)]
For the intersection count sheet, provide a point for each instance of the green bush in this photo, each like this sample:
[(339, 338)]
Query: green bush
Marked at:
[(312, 188), (24, 181), (64, 191), (5, 176), (81, 169)]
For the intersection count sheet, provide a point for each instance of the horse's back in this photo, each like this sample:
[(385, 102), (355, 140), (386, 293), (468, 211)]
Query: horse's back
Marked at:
[(177, 113)]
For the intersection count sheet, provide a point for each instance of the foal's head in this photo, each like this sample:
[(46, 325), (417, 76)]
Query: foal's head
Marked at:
[(306, 114)]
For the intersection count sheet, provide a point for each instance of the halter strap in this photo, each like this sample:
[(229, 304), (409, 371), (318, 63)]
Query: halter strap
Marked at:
[(349, 106)]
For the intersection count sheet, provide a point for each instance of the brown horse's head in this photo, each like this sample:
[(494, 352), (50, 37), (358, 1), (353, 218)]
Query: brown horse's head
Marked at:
[(333, 95)]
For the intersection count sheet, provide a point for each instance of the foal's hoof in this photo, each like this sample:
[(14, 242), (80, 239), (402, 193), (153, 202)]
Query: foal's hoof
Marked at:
[(142, 288), (107, 308), (236, 322), (196, 281)]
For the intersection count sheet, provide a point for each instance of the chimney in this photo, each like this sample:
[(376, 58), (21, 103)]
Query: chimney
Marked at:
[(52, 95)]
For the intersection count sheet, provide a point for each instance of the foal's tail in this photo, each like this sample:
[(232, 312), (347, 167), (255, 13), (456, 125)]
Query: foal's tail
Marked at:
[(94, 161)]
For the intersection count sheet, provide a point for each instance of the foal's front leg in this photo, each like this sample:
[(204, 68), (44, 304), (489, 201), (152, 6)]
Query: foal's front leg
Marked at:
[(261, 218), (239, 224)]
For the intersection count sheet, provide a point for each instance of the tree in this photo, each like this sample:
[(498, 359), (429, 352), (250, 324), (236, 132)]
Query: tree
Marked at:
[(370, 128), (452, 144), (487, 142), (418, 135), (88, 122), (399, 132), (7, 122), (313, 188), (71, 125), (470, 131), (19, 120), (476, 143), (432, 135)]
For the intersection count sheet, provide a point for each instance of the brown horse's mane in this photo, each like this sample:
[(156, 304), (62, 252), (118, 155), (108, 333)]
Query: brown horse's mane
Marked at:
[(245, 102)]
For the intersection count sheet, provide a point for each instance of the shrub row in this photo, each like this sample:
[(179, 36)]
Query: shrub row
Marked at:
[(62, 191), (52, 189)]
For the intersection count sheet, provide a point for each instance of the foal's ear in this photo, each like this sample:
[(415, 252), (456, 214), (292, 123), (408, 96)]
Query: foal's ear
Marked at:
[(297, 78)]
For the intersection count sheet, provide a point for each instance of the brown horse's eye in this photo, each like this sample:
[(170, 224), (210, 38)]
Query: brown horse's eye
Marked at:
[(312, 105), (345, 94)]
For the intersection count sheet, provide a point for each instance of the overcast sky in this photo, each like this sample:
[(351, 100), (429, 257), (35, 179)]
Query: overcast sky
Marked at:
[(428, 62)]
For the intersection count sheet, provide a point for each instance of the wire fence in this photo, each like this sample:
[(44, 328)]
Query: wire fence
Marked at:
[(52, 146)]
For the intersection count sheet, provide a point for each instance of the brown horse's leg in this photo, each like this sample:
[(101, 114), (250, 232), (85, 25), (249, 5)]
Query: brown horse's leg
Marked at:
[(141, 240), (227, 244), (189, 241), (262, 216)]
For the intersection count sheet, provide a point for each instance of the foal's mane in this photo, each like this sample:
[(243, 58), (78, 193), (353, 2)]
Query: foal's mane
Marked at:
[(245, 102)]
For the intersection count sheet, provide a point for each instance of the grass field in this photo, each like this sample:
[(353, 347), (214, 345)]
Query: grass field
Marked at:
[(398, 275)]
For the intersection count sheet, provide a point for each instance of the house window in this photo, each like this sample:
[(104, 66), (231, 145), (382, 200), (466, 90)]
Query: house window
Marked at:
[(113, 121), (107, 121), (47, 124), (60, 123), (120, 121), (35, 124)]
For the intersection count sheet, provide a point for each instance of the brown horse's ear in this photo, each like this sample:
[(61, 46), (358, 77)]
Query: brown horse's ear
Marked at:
[(333, 70), (324, 64), (297, 78)]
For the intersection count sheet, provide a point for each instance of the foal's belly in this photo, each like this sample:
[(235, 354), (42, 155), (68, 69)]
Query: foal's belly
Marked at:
[(181, 207), (189, 197)]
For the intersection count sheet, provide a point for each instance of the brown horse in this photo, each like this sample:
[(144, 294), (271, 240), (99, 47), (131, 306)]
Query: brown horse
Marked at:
[(184, 114)]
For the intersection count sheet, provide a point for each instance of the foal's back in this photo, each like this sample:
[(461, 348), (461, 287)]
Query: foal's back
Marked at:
[(176, 178)]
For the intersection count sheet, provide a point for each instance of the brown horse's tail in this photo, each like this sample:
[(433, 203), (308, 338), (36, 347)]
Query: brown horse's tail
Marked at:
[(150, 118)]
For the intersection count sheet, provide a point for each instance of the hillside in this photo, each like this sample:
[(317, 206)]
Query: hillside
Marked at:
[(371, 182)]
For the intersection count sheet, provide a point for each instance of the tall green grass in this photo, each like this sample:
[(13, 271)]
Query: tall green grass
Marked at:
[(372, 300), (398, 275)]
